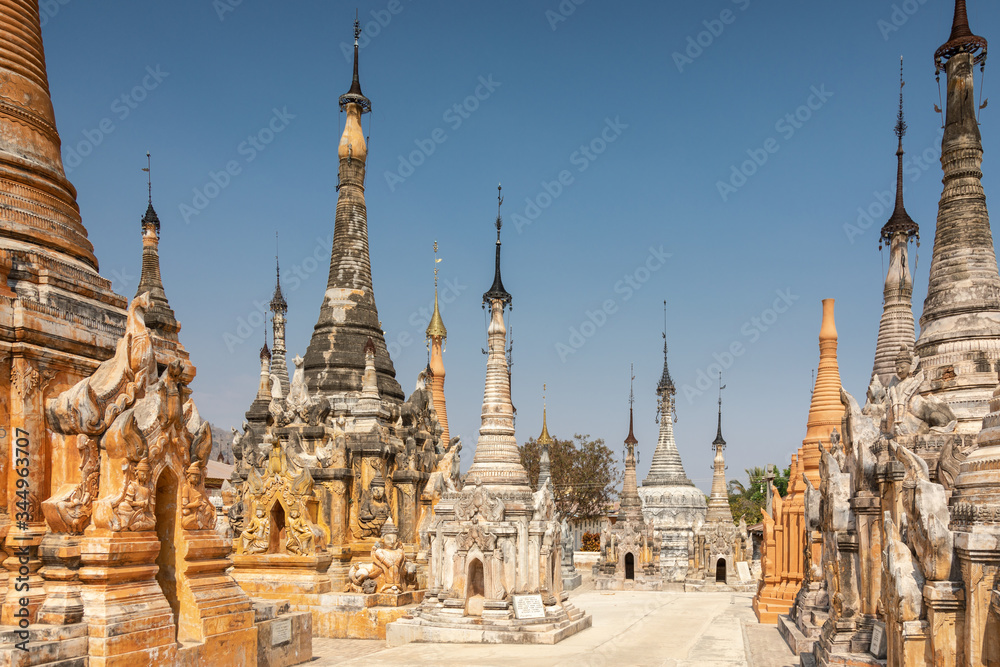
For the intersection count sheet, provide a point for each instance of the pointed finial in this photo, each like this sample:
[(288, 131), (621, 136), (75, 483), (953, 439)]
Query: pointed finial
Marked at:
[(719, 441), (278, 303), (899, 221), (354, 95), (436, 326), (544, 438), (150, 219), (496, 291), (149, 177), (900, 123), (631, 440), (499, 204), (961, 40)]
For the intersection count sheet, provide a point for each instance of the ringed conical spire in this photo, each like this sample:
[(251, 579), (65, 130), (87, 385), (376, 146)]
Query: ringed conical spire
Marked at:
[(436, 336), (279, 307), (896, 327), (959, 342), (335, 360), (159, 316), (718, 499), (630, 505), (497, 461)]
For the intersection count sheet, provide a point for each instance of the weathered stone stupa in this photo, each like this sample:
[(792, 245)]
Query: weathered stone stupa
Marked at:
[(630, 558), (323, 468), (719, 545), (676, 507), (495, 545)]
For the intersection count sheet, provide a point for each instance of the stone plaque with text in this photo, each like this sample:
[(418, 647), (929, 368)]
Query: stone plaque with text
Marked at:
[(528, 606), (281, 631), (744, 570), (877, 647)]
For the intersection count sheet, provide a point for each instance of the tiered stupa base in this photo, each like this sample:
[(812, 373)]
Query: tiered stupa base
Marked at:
[(303, 581), (444, 622)]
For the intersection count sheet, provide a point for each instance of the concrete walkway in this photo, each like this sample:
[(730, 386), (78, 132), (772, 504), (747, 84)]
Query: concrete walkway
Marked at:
[(630, 628)]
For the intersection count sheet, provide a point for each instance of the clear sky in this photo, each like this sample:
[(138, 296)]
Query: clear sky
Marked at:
[(614, 128)]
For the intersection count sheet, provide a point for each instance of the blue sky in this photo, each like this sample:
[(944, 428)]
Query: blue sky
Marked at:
[(615, 129)]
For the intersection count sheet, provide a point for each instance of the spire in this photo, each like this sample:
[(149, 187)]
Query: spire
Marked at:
[(279, 307), (354, 95), (666, 382), (436, 327), (630, 505), (497, 291), (719, 440), (497, 461), (666, 468), (159, 316), (278, 303), (718, 500), (961, 40), (900, 221), (545, 441), (896, 327), (436, 335), (825, 409), (959, 341), (631, 440), (334, 361)]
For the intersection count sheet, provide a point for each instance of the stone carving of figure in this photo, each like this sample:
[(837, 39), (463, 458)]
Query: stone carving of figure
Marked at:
[(300, 534), (135, 512), (900, 390), (297, 394), (567, 544), (374, 510), (387, 572), (197, 511), (255, 538), (391, 560)]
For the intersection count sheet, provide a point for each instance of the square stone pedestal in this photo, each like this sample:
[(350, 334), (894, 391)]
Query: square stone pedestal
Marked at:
[(360, 616), (284, 637)]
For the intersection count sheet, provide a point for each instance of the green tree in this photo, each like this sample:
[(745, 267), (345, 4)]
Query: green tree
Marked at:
[(747, 501), (584, 476)]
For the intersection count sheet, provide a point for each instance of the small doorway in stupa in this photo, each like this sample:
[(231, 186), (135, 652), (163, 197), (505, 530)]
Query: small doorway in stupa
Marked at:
[(629, 566), (277, 536), (720, 571), (166, 531), (475, 589)]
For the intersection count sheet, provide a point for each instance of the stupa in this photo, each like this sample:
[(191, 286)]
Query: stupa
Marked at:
[(325, 467), (495, 545), (674, 504), (630, 549)]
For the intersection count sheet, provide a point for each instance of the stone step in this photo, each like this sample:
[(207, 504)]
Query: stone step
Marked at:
[(64, 653)]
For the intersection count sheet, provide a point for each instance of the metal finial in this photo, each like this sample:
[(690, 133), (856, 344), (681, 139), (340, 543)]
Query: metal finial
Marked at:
[(719, 440), (277, 267), (499, 204), (149, 177), (543, 396), (357, 27), (900, 123), (437, 260), (631, 382)]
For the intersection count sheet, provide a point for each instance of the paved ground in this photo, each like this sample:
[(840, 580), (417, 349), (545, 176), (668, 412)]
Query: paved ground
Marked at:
[(634, 628)]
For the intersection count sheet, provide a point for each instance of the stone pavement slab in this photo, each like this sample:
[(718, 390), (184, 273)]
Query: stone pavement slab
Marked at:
[(630, 628)]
